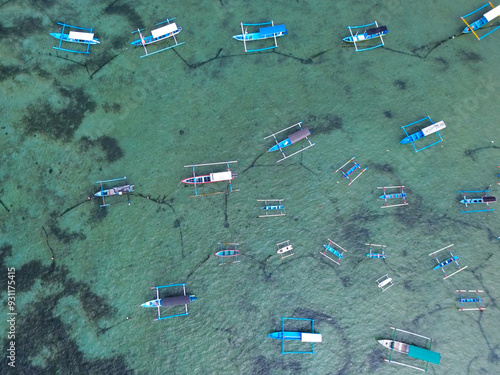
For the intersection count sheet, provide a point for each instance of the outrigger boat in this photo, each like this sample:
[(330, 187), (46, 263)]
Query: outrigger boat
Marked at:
[(411, 351), (285, 250), (162, 33), (118, 190), (296, 336), (431, 129), (486, 199), (81, 37), (170, 301), (228, 250), (332, 251), (268, 32), (376, 255), (453, 258), (355, 166), (384, 282), (272, 207), (487, 17), (293, 138), (386, 196), (372, 33), (210, 178), (477, 300)]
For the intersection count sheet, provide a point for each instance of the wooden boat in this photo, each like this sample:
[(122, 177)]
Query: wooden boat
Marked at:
[(212, 177), (119, 190), (372, 33), (412, 351), (263, 33)]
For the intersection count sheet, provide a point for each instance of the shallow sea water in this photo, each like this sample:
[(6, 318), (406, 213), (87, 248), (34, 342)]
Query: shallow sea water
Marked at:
[(82, 271)]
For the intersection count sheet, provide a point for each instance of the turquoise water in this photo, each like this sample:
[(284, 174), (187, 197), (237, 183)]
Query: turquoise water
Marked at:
[(82, 271)]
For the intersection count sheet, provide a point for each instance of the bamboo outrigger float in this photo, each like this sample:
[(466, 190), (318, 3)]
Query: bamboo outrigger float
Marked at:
[(416, 352), (85, 36)]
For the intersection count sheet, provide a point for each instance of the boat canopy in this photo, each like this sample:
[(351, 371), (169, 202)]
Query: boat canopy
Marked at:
[(175, 301), (297, 136), (495, 12), (221, 176), (170, 28), (489, 199), (271, 30), (424, 354), (81, 36), (310, 337), (376, 30)]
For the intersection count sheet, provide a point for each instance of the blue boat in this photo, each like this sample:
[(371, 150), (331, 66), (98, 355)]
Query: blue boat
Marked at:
[(333, 251), (157, 35), (263, 33), (368, 34), (76, 37), (393, 196), (85, 36), (270, 31), (447, 261), (170, 30), (487, 17), (372, 33), (292, 138), (431, 129)]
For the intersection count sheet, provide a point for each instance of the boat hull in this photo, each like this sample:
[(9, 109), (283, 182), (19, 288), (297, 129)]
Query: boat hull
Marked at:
[(227, 253), (333, 251), (66, 38), (447, 261), (151, 39), (475, 25), (400, 347), (286, 335)]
